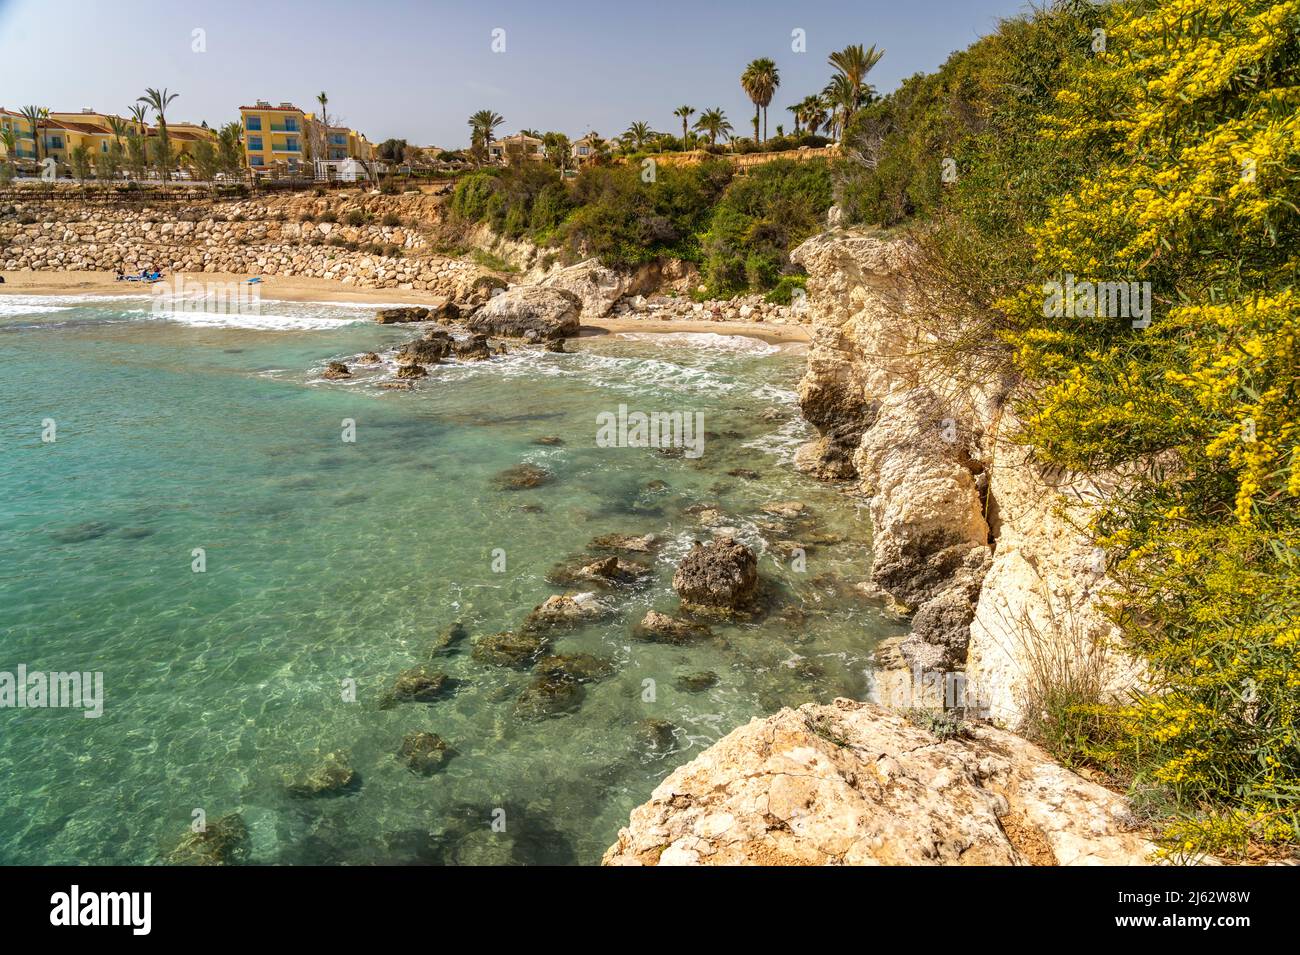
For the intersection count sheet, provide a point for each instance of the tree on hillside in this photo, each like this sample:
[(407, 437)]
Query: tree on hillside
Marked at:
[(482, 129), (638, 133), (760, 80), (854, 63), (685, 113), (713, 123)]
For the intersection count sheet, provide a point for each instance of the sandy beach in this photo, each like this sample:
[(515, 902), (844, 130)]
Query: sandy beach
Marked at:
[(301, 289)]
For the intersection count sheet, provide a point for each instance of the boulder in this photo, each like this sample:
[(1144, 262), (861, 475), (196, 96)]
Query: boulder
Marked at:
[(222, 842), (658, 627), (403, 314), (332, 777), (510, 649), (336, 370), (473, 348), (420, 684), (425, 753), (565, 612), (528, 311), (522, 477), (853, 784), (369, 358), (721, 574), (430, 350), (595, 286), (412, 371)]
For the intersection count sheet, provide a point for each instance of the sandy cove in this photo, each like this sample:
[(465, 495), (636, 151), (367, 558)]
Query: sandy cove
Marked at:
[(303, 289)]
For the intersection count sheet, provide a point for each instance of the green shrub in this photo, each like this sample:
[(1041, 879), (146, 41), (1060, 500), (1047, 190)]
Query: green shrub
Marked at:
[(356, 218), (783, 292), (391, 220)]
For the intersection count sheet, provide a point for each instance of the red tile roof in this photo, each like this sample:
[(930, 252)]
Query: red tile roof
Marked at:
[(271, 109)]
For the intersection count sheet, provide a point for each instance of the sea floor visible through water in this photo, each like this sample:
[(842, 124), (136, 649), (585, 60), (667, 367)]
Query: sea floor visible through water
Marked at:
[(331, 564)]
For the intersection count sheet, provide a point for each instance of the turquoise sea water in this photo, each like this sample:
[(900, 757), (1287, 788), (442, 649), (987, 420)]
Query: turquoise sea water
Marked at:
[(329, 561)]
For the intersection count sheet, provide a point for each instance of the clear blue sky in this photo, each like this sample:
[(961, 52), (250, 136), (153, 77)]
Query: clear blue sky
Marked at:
[(416, 70)]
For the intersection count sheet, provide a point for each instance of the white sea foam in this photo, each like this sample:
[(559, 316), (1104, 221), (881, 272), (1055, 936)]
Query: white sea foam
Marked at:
[(22, 308), (270, 323), (712, 340)]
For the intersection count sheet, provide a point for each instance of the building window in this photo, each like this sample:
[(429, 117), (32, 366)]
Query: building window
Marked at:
[(53, 142), (291, 125), (253, 123), (291, 144), (256, 161), (255, 143)]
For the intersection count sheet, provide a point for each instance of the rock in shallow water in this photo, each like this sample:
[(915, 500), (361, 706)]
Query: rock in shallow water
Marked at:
[(721, 574), (333, 777), (222, 842), (510, 649), (522, 477), (656, 627), (425, 753)]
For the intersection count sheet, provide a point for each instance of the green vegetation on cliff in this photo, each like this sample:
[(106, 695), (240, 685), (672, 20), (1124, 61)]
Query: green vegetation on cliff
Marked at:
[(1153, 146)]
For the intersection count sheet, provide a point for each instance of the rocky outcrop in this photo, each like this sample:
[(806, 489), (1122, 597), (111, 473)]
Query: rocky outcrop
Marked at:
[(981, 549), (854, 784), (930, 543), (721, 574), (595, 286), (530, 312)]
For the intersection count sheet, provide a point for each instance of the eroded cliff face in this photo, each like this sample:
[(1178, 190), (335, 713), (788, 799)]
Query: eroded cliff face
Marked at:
[(987, 555)]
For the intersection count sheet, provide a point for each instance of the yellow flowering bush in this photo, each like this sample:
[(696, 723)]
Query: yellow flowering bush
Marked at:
[(1192, 112)]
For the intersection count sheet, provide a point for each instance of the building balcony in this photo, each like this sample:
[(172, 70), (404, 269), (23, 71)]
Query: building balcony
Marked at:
[(285, 149), (286, 128)]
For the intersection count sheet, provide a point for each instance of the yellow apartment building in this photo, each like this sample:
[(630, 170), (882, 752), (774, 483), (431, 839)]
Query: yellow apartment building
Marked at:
[(25, 140), (273, 136)]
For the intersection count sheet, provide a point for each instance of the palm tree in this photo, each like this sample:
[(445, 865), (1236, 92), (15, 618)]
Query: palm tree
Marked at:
[(159, 100), (639, 133), (9, 140), (854, 63), (35, 115), (482, 125), (322, 146), (760, 80), (713, 123), (813, 113), (685, 113), (840, 98), (229, 147)]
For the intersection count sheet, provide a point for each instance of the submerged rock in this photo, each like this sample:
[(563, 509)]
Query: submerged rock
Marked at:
[(565, 611), (626, 543), (425, 753), (549, 696), (223, 842), (853, 784), (549, 441), (696, 682), (659, 736), (581, 667), (448, 640), (420, 684), (510, 649), (658, 627), (336, 370), (603, 572), (332, 777), (522, 477), (721, 574)]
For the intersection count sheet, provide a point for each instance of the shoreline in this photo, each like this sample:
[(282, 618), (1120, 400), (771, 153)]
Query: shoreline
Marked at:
[(308, 290)]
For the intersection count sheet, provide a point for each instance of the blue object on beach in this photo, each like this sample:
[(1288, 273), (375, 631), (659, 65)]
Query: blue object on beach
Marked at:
[(255, 279)]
